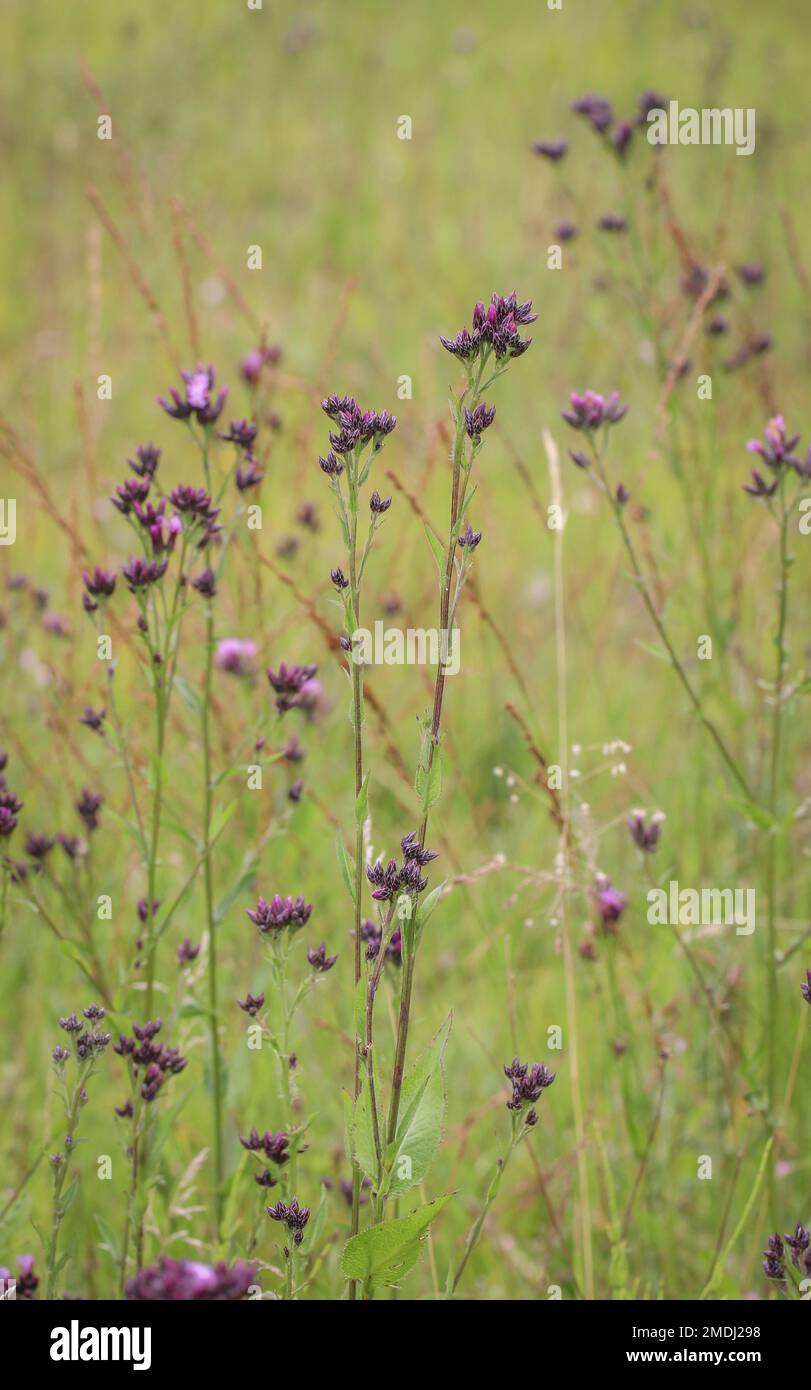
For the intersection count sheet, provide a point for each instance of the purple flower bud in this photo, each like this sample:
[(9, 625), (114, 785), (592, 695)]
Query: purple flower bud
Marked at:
[(147, 457), (93, 719), (590, 411), (553, 150), (205, 584), (478, 420), (611, 903), (197, 401), (319, 960), (378, 504), (236, 656), (598, 111), (279, 913), (339, 579), (611, 222), (251, 1004), (186, 952), (528, 1083), (88, 806), (99, 584), (469, 539), (645, 837)]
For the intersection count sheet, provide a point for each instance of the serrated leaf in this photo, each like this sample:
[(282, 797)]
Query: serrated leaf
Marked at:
[(384, 1254)]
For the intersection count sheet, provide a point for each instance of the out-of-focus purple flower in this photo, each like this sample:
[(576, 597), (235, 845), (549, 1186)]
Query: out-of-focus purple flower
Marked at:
[(130, 494), (611, 903), (776, 447), (611, 222), (206, 583), (598, 110), (186, 952), (71, 844), (248, 474), (140, 573), (100, 583), (553, 150), (236, 655), (93, 719), (717, 326), (565, 231), (145, 463), (494, 328), (805, 989), (528, 1084), (251, 1004), (751, 274), (25, 1282), (252, 364), (319, 960), (186, 1281), (296, 792), (294, 687), (621, 137), (38, 846), (88, 806), (242, 433), (142, 909), (479, 420), (645, 837), (279, 913), (759, 487), (10, 808), (197, 400), (651, 101), (590, 411), (798, 1244)]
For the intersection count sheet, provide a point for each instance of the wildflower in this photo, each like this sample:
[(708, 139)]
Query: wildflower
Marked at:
[(252, 364), (71, 844), (142, 909), (99, 584), (650, 101), (280, 913), (469, 539), (10, 808), (565, 231), (292, 751), (186, 952), (294, 1217), (251, 1004), (553, 150), (93, 719), (776, 447), (140, 574), (248, 474), (187, 1281), (71, 1024), (611, 903), (38, 846), (494, 328), (26, 1282), (236, 655), (198, 398), (598, 110), (294, 686), (319, 960), (378, 504), (295, 792), (717, 326), (611, 222), (193, 501), (759, 487), (590, 411), (773, 1266), (88, 806), (528, 1083), (622, 495), (339, 579), (479, 420), (621, 137), (205, 583), (798, 1244), (751, 274), (242, 433), (60, 1055), (645, 837), (130, 494), (413, 849), (147, 457), (307, 516), (331, 466)]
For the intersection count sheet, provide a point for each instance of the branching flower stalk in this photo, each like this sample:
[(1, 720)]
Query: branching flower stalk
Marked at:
[(358, 435), (486, 351), (88, 1044)]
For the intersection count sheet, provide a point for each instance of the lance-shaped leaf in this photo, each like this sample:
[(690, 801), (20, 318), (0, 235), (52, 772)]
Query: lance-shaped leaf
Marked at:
[(421, 1118)]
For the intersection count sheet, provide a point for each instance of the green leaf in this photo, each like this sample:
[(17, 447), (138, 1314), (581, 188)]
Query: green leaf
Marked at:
[(428, 782), (235, 891), (753, 812), (437, 549), (422, 1117), (188, 694), (219, 820), (653, 649), (362, 801), (385, 1253), (345, 864)]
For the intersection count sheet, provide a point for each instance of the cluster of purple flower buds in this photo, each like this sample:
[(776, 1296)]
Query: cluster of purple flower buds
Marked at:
[(279, 913), (251, 1004), (319, 960), (294, 1217), (197, 398), (88, 1043), (776, 449), (273, 1146), (157, 1060), (295, 688), (98, 585), (479, 420), (590, 411), (390, 880), (187, 1281), (355, 427), (528, 1083), (10, 808), (495, 329), (88, 806), (806, 987), (372, 935), (645, 837)]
